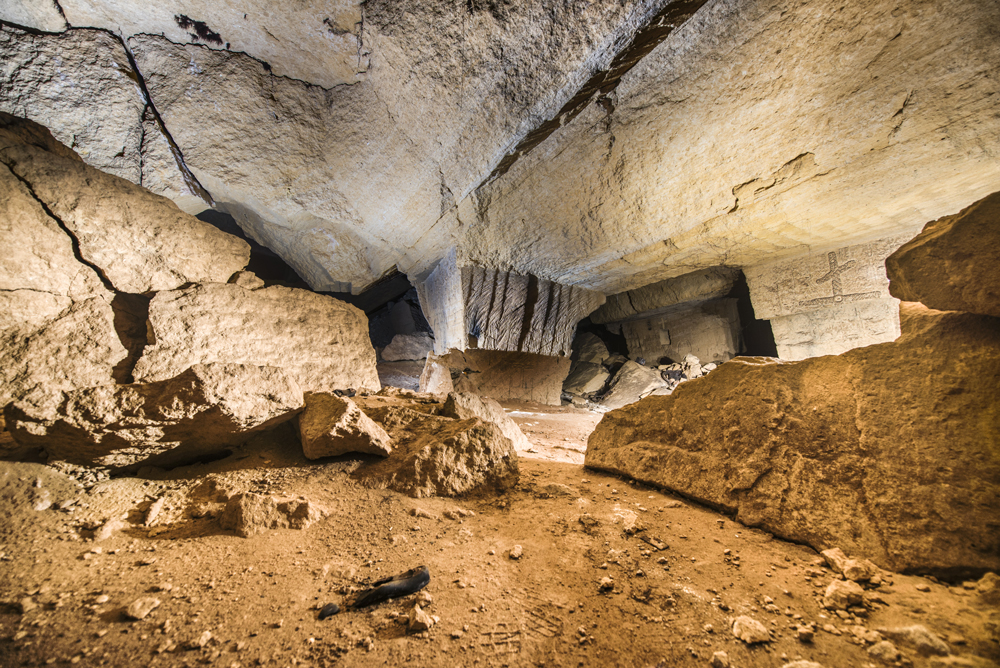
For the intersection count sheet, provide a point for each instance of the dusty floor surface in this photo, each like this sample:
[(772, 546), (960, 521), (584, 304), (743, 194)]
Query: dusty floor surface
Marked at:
[(676, 584)]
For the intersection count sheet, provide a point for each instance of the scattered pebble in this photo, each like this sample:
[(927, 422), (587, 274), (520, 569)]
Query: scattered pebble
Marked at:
[(750, 631), (141, 607), (516, 552)]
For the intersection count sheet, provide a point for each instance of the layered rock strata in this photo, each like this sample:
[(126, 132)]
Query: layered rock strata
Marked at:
[(942, 266), (887, 451)]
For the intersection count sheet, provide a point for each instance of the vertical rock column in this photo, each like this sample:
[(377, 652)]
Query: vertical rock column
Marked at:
[(827, 303)]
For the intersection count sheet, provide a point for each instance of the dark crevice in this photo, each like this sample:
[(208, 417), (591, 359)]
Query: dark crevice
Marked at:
[(72, 237), (131, 317), (530, 300), (757, 339), (61, 13), (198, 30), (603, 82), (189, 178)]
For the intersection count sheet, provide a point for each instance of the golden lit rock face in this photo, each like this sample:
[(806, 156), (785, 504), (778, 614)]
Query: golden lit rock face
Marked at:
[(952, 264), (839, 450)]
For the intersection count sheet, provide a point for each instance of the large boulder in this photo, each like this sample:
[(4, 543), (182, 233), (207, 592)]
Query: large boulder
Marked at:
[(78, 348), (204, 410), (952, 264), (320, 341), (588, 347), (139, 241), (632, 382), (456, 457), (888, 452), (408, 347), (332, 425), (465, 405)]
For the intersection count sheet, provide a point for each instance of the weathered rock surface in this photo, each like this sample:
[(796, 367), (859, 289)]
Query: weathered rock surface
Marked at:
[(827, 303), (842, 594), (656, 298), (951, 265), (78, 348), (585, 378), (500, 375), (205, 409), (459, 457), (750, 631), (919, 638), (408, 347), (249, 514), (858, 570), (139, 241), (884, 451), (691, 167), (319, 341), (465, 405), (632, 382), (332, 425)]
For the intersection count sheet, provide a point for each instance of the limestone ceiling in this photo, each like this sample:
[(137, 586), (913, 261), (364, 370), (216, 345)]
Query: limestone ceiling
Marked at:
[(354, 137)]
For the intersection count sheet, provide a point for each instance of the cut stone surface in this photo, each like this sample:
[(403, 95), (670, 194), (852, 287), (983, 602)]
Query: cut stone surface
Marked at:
[(848, 275), (632, 382), (331, 425), (459, 457), (879, 451), (835, 330), (140, 241), (469, 306), (951, 265), (656, 298), (465, 405), (319, 341), (408, 347), (249, 514), (589, 348), (585, 378), (710, 331), (203, 410), (500, 375)]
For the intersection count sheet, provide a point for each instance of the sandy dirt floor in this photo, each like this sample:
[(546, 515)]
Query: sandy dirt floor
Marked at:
[(677, 574)]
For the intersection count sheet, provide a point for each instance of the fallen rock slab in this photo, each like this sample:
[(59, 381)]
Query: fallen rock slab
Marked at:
[(465, 405), (458, 457), (951, 265), (203, 410), (842, 594), (859, 570), (585, 378), (408, 347), (879, 451), (632, 382), (141, 607), (331, 425), (321, 342), (919, 638)]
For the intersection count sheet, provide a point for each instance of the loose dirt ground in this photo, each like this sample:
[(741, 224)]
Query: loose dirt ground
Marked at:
[(679, 573)]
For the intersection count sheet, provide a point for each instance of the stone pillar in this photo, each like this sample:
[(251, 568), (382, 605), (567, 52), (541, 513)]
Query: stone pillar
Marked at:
[(490, 309), (828, 303)]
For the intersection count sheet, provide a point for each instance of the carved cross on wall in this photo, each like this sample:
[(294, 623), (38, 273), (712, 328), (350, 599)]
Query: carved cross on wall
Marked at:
[(833, 275)]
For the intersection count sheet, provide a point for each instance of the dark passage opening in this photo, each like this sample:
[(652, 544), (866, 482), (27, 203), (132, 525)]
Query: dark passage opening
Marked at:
[(758, 339)]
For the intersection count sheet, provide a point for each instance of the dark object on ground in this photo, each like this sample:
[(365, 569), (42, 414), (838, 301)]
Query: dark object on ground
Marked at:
[(394, 587), (329, 610), (349, 392)]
